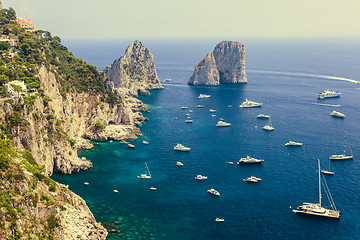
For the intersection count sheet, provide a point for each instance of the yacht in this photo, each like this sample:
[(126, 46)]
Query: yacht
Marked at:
[(131, 146), (145, 142), (268, 127), (249, 104), (222, 124), (212, 110), (262, 116), (328, 94), (293, 144), (252, 179), (201, 177), (343, 156), (214, 192), (147, 174), (337, 114), (188, 121), (248, 159), (316, 208), (180, 147), (199, 106), (219, 220), (179, 164), (204, 96)]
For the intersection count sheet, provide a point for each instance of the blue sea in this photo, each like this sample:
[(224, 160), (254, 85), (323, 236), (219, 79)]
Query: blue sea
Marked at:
[(283, 74)]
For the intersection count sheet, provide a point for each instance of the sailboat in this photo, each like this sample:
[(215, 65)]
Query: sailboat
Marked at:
[(147, 174), (316, 208), (269, 126), (328, 172), (343, 156)]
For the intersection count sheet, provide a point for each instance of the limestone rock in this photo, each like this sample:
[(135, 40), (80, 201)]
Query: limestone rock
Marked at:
[(206, 72), (226, 63), (135, 71)]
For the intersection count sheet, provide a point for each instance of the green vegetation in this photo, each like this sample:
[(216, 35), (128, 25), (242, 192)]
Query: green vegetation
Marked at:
[(99, 126)]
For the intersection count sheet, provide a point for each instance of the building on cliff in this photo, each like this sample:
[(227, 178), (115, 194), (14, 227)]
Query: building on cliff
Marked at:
[(226, 64), (27, 24)]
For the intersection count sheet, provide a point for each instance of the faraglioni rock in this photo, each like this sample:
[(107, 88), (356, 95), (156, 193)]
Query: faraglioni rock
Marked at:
[(226, 64), (134, 71)]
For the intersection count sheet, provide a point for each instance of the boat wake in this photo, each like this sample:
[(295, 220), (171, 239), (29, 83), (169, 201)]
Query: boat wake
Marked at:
[(306, 75), (324, 104)]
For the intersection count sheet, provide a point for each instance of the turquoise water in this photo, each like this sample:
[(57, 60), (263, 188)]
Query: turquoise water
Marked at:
[(181, 208)]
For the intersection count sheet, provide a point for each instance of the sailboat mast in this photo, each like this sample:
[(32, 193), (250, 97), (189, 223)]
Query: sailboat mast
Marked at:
[(319, 183), (148, 169)]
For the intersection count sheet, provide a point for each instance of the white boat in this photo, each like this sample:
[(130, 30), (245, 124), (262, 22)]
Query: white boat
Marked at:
[(188, 121), (328, 94), (131, 146), (268, 127), (188, 114), (190, 110), (337, 114), (204, 96), (188, 117), (231, 163), (180, 164), (343, 156), (222, 124), (328, 172), (213, 115), (293, 144), (250, 104), (214, 192), (180, 147), (145, 142), (229, 106), (153, 188), (86, 183), (219, 220), (249, 159), (252, 179), (201, 177), (123, 141), (147, 174), (315, 208), (212, 110), (262, 116), (168, 80), (199, 106), (183, 108), (116, 191)]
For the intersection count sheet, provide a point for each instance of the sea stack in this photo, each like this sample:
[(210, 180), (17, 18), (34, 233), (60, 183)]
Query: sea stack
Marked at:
[(134, 71), (226, 64)]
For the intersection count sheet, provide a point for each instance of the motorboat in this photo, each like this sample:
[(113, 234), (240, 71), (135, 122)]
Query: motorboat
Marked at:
[(147, 174), (131, 145), (262, 116), (219, 220), (214, 192), (213, 115), (145, 142), (316, 209), (222, 124), (249, 159), (293, 144), (337, 114), (229, 106), (180, 164), (153, 188), (188, 121), (199, 106), (250, 104), (168, 80), (204, 96), (86, 183), (201, 177), (328, 94), (183, 108), (231, 163), (116, 191), (252, 179), (268, 127), (180, 147), (212, 110)]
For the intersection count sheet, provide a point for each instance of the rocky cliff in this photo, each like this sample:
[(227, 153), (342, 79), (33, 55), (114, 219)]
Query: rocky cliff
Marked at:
[(226, 63), (135, 72)]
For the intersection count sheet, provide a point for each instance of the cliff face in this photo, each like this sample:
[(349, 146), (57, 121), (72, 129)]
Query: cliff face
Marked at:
[(51, 125), (135, 71), (206, 72), (228, 60)]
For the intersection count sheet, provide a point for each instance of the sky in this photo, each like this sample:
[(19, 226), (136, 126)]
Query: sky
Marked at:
[(138, 19)]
